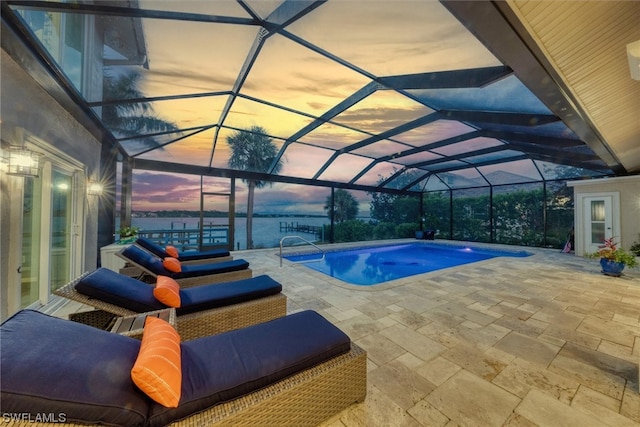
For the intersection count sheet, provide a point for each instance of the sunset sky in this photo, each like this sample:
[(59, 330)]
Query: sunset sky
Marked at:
[(156, 191), (378, 37), (338, 51), (348, 91)]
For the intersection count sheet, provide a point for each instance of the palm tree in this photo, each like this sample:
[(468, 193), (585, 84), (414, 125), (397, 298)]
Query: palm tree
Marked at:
[(131, 118), (252, 150), (344, 206)]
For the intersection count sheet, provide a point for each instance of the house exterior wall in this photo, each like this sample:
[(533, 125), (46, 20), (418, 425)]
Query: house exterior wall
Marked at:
[(27, 108), (629, 189)]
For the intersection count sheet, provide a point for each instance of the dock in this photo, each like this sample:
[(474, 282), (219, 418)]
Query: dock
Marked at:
[(286, 227), (185, 239)]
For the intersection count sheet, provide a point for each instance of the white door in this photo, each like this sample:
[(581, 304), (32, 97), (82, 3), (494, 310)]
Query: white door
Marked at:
[(48, 233), (598, 221)]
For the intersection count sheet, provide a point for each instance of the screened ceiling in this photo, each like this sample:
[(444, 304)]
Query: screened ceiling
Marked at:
[(358, 94)]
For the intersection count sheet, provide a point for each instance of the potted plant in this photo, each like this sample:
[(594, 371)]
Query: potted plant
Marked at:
[(613, 259), (128, 234)]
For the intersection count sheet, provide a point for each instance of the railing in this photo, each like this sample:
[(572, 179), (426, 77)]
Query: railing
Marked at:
[(306, 241), (185, 239)]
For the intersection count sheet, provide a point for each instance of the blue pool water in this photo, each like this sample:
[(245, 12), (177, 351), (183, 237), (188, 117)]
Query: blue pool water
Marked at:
[(374, 265)]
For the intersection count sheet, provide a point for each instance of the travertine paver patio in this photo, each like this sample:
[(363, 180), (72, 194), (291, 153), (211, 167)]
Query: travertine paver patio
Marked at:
[(540, 341)]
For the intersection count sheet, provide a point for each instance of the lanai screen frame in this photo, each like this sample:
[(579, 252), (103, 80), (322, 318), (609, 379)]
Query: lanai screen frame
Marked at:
[(498, 125)]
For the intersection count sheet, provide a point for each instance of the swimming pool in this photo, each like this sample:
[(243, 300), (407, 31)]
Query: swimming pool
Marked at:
[(377, 264)]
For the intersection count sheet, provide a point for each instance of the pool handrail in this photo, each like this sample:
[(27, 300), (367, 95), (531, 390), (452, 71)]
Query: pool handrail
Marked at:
[(306, 241)]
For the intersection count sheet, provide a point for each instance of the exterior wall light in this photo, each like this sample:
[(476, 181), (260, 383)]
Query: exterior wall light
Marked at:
[(94, 188), (23, 162)]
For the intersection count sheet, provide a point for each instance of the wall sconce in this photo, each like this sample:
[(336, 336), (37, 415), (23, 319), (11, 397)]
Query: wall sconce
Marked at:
[(94, 188), (23, 162)]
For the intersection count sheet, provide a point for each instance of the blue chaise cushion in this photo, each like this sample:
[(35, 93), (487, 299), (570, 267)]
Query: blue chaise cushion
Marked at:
[(61, 369), (159, 251), (152, 247), (154, 264), (195, 256), (205, 297), (124, 291), (222, 367)]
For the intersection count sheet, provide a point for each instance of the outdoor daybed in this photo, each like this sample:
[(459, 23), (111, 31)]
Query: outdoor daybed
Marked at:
[(185, 274), (204, 310), (187, 257), (296, 370)]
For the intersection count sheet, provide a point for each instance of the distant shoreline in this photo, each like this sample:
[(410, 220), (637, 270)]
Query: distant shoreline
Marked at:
[(217, 214)]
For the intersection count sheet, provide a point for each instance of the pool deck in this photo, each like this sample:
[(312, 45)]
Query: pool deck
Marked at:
[(545, 340)]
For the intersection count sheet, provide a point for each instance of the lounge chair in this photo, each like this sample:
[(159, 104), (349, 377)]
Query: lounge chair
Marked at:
[(204, 310), (189, 274), (188, 257), (296, 370)]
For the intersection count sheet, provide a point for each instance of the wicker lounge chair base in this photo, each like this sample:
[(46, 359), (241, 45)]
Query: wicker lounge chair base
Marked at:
[(304, 399), (189, 326), (210, 322)]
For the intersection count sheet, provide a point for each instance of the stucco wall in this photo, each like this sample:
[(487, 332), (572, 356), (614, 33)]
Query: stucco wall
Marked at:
[(26, 105), (629, 190)]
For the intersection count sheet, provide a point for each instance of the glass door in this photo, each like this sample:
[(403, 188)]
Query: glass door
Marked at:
[(31, 239), (598, 221), (47, 235), (61, 228)]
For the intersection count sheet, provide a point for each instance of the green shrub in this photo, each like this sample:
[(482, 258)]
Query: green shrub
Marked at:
[(408, 229), (353, 230), (384, 230)]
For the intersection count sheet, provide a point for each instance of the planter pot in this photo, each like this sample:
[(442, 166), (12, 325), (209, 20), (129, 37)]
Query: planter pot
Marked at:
[(611, 268)]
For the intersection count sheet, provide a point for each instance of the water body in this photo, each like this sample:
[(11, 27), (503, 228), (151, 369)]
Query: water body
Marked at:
[(266, 231)]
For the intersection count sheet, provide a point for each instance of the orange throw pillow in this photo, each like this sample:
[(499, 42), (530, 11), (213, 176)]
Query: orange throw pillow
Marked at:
[(172, 264), (172, 251), (158, 370), (167, 291)]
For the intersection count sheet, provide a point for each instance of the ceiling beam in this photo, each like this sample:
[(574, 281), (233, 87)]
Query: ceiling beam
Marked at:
[(421, 121), (472, 78), (555, 153), (499, 117), (348, 102), (409, 152), (461, 156), (550, 141)]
